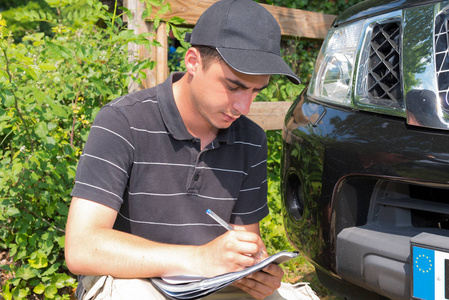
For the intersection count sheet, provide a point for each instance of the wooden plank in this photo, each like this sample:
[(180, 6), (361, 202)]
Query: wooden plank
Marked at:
[(293, 22), (269, 115)]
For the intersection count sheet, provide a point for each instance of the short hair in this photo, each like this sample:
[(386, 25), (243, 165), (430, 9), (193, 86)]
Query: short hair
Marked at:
[(208, 55)]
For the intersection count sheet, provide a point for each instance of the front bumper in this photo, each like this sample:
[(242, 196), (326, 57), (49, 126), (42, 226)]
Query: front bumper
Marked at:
[(357, 187)]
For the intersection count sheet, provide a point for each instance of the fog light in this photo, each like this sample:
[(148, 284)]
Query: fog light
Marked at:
[(294, 199)]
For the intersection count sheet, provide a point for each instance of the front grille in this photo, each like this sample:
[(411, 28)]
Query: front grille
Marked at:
[(441, 58), (428, 207), (383, 78)]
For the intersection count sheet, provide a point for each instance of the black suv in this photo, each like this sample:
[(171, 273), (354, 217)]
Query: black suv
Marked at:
[(365, 163)]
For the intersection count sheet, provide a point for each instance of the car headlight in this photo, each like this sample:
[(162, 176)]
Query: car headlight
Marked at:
[(334, 68)]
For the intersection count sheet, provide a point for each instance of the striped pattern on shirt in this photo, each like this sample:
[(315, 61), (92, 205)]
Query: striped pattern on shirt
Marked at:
[(140, 160)]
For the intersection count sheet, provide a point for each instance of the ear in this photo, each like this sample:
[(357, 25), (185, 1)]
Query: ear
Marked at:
[(192, 60)]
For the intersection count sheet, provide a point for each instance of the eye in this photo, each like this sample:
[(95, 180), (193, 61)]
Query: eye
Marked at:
[(232, 88)]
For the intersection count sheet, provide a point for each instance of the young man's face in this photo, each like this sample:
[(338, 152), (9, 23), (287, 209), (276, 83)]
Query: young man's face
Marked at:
[(221, 95)]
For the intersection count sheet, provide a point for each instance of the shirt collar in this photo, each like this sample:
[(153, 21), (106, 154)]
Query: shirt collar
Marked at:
[(172, 117)]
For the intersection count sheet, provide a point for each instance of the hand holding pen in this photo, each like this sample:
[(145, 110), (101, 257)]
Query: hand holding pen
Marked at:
[(229, 228), (267, 279)]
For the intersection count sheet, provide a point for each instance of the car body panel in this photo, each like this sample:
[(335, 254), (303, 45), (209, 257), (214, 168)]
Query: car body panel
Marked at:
[(360, 184)]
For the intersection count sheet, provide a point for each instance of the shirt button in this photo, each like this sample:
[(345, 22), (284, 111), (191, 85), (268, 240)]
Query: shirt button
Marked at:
[(197, 176)]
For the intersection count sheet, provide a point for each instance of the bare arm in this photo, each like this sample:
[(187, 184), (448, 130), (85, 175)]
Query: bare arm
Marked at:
[(94, 248)]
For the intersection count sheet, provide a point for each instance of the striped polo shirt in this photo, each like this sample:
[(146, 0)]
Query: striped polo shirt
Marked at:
[(140, 160)]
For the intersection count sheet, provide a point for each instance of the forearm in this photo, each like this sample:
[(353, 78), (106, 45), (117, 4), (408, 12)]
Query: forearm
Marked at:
[(119, 254), (94, 248)]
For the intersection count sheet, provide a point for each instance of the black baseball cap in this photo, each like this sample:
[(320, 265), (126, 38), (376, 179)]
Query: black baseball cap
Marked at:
[(246, 35)]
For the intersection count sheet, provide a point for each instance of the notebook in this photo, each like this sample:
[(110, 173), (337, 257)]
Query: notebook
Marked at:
[(195, 287)]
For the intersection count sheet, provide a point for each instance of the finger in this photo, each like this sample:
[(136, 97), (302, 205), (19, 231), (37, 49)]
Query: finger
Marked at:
[(247, 243), (264, 252), (254, 288), (249, 237), (274, 270), (246, 260), (273, 282)]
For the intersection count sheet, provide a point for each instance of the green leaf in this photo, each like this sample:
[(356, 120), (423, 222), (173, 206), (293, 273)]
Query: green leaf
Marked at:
[(8, 97), (164, 9), (94, 113), (38, 95), (102, 88), (52, 269), (61, 241), (20, 293), (25, 273), (41, 130), (155, 2), (56, 109), (176, 21), (47, 67), (39, 262), (39, 289), (175, 31), (128, 12), (146, 13), (7, 292), (12, 212), (58, 51), (50, 291), (58, 3), (81, 51), (156, 23), (60, 280), (51, 142), (51, 126)]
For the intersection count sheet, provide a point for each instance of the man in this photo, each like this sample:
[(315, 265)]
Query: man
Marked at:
[(157, 159)]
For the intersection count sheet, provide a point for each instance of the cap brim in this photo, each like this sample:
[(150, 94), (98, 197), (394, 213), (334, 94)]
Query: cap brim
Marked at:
[(254, 62)]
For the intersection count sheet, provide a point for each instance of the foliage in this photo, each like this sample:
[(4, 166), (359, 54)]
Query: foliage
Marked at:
[(51, 88), (20, 26)]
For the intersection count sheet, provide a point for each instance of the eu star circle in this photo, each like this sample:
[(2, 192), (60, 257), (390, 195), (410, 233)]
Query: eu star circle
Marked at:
[(423, 263)]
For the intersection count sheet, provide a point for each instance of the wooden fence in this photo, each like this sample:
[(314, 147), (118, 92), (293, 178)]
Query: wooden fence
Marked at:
[(293, 23)]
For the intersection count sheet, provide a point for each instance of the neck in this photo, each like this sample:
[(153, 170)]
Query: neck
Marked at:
[(195, 123)]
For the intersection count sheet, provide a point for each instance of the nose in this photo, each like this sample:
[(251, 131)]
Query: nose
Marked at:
[(243, 103)]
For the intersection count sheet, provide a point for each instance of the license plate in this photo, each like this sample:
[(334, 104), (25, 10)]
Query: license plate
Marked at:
[(430, 273)]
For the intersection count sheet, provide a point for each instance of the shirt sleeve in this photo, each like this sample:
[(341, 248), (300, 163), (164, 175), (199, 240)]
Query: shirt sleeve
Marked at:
[(251, 206), (105, 164)]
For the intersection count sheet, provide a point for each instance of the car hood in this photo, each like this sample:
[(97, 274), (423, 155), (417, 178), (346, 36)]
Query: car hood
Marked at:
[(371, 8)]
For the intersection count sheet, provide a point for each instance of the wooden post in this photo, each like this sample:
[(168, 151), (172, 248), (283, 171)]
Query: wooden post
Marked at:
[(158, 54), (161, 53)]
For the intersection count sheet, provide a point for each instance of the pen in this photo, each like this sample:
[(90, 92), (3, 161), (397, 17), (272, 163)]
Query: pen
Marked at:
[(219, 220)]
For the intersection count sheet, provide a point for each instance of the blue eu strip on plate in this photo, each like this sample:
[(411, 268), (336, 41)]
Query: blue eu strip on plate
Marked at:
[(430, 272)]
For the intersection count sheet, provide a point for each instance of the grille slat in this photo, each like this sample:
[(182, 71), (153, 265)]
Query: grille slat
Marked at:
[(442, 58), (417, 204), (384, 77)]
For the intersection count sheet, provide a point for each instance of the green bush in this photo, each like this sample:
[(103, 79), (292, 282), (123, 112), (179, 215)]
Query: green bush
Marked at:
[(50, 91)]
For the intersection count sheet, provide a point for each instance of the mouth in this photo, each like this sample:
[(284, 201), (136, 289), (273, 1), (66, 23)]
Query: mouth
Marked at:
[(230, 118)]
